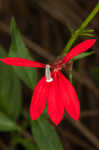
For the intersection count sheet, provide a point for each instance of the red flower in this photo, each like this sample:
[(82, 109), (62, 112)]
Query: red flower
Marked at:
[(54, 89)]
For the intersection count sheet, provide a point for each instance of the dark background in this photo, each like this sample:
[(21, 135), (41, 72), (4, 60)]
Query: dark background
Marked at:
[(46, 26)]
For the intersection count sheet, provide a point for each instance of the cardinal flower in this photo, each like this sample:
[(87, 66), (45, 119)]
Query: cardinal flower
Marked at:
[(54, 88)]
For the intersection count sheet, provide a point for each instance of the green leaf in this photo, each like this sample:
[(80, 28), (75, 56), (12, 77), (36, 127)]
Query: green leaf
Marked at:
[(89, 30), (45, 113), (83, 55), (6, 124), (88, 34), (10, 90), (24, 142), (45, 135), (95, 74), (18, 49)]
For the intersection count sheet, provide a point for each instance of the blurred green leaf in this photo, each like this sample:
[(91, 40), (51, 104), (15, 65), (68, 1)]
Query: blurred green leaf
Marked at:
[(87, 32), (18, 49), (45, 135), (95, 74), (10, 90), (24, 142), (6, 124), (45, 113), (83, 55)]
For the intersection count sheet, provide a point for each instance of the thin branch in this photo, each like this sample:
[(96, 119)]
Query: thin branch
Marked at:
[(83, 80), (86, 81), (89, 113), (66, 134), (75, 140), (86, 132), (3, 146), (40, 51), (80, 29)]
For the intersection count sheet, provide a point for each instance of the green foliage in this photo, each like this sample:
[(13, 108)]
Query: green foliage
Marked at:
[(24, 142), (10, 90), (29, 76), (81, 30), (87, 32), (83, 55), (6, 124), (18, 49), (95, 74), (45, 135)]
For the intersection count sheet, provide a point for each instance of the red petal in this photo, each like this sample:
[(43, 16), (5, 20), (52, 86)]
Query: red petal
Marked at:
[(83, 46), (39, 99), (21, 62), (55, 105), (70, 98)]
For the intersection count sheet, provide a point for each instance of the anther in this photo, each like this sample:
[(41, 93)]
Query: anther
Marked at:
[(48, 74)]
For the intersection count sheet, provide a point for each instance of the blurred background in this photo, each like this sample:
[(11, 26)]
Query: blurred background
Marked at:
[(46, 26)]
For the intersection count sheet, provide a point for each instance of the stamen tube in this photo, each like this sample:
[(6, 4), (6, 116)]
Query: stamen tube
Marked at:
[(48, 74)]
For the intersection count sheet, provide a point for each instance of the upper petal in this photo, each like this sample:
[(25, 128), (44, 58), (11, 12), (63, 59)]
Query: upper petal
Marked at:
[(70, 98), (55, 104), (83, 46), (39, 99), (21, 62)]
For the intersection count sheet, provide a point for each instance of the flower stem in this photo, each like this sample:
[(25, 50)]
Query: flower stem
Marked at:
[(78, 32), (90, 17)]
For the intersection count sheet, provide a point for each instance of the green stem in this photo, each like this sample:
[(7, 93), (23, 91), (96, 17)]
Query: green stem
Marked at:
[(70, 74), (19, 129), (90, 17), (77, 33), (24, 133)]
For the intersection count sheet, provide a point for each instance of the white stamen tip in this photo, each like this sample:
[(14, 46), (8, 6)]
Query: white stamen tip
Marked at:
[(49, 80), (48, 74)]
